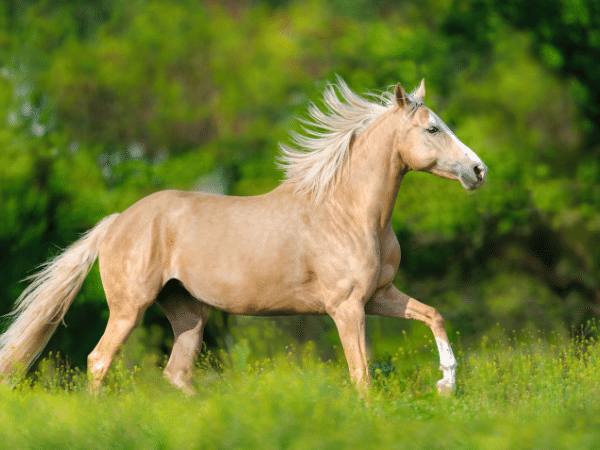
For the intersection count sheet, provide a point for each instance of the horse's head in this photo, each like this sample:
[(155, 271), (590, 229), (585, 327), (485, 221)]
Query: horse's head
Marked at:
[(425, 143)]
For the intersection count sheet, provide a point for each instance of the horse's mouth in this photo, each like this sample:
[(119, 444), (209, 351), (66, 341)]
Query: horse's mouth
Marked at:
[(471, 183)]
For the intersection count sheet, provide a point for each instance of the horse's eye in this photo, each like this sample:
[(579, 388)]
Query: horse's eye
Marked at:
[(433, 129)]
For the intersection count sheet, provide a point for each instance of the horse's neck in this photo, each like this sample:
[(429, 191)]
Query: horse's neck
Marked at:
[(371, 180)]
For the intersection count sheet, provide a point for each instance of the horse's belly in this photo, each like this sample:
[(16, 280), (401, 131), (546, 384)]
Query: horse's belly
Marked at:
[(256, 299), (253, 289), (259, 307)]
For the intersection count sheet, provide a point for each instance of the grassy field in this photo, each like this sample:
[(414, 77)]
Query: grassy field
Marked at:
[(524, 393)]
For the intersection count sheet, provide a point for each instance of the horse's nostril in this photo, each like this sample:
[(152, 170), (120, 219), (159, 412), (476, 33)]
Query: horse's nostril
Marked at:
[(479, 171)]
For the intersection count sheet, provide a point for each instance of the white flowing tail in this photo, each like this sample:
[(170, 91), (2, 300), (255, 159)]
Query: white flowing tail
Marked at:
[(44, 303)]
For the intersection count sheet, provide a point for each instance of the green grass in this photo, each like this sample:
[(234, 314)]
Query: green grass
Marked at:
[(524, 394)]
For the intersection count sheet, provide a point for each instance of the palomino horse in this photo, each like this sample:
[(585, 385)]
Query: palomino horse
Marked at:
[(320, 243)]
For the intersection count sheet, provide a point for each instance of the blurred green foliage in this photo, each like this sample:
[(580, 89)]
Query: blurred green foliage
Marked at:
[(104, 102)]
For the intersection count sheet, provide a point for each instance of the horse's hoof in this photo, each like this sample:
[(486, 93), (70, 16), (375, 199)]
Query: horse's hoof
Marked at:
[(188, 390), (446, 387)]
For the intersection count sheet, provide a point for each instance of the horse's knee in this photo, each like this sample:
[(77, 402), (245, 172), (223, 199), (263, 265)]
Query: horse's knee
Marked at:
[(437, 321)]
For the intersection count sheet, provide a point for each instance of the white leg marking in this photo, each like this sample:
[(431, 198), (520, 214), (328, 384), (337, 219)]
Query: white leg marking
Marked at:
[(447, 366)]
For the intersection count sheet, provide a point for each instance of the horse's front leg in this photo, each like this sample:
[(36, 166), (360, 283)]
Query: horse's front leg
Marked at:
[(349, 318), (390, 302)]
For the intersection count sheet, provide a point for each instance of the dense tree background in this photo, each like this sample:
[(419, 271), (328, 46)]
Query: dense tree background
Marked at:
[(105, 101)]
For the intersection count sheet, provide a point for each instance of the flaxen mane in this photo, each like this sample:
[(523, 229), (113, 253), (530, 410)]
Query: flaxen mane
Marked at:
[(313, 164)]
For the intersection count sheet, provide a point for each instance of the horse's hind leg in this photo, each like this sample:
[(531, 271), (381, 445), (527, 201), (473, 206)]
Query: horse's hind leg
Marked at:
[(126, 307), (188, 317)]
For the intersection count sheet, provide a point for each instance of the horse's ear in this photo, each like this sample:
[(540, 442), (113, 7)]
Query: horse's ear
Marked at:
[(401, 99), (420, 93)]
